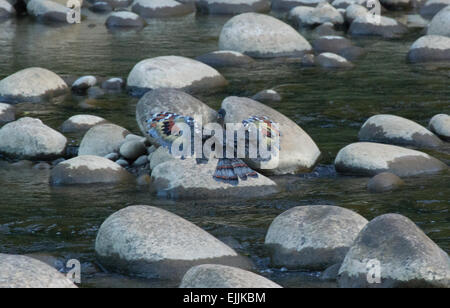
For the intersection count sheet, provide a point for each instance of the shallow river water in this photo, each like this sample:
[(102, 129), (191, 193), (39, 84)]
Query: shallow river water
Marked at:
[(330, 105)]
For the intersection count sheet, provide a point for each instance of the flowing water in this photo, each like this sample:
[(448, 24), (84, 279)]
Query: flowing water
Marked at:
[(330, 105)]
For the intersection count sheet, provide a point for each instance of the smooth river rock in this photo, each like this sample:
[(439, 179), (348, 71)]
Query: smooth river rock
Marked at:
[(231, 7), (440, 125), (440, 24), (222, 276), (173, 72), (287, 5), (392, 129), (312, 237), (331, 60), (81, 123), (82, 84), (25, 272), (185, 179), (367, 25), (31, 85), (432, 7), (384, 182), (225, 58), (344, 4), (369, 159), (124, 19), (267, 96), (354, 11), (171, 100), (160, 8), (7, 113), (262, 36), (48, 11), (430, 48), (89, 169), (150, 242), (29, 138), (407, 257), (6, 10), (298, 151), (305, 16), (102, 139)]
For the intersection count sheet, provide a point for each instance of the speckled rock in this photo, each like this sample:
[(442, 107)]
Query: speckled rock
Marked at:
[(47, 11), (225, 58), (216, 7), (124, 19), (174, 179), (221, 276), (31, 85), (174, 72), (440, 24), (25, 272), (88, 169), (430, 48), (262, 36), (267, 96), (331, 60), (7, 113), (309, 17), (83, 83), (391, 129), (150, 242), (102, 139), (432, 7), (369, 159), (298, 152), (6, 10), (367, 25), (161, 8), (81, 123), (175, 101), (407, 257), (29, 138), (384, 182), (440, 125), (287, 5), (312, 237)]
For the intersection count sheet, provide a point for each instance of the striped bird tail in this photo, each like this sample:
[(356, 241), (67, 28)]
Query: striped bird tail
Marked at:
[(242, 170), (225, 172)]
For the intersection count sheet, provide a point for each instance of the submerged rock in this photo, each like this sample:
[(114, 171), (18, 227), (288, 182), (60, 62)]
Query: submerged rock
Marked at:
[(102, 139), (331, 60), (25, 272), (7, 113), (298, 151), (161, 8), (175, 179), (124, 19), (29, 138), (221, 7), (406, 256), (113, 84), (432, 7), (397, 4), (173, 72), (369, 159), (81, 123), (101, 7), (88, 169), (440, 24), (225, 58), (440, 125), (221, 276), (337, 45), (6, 10), (150, 242), (391, 129), (82, 84), (384, 182), (31, 85), (368, 25), (430, 48), (262, 36), (287, 5), (312, 237), (267, 96)]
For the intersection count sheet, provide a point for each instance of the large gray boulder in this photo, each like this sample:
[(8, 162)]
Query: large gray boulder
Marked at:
[(440, 24), (31, 85), (29, 138), (102, 139), (312, 237), (89, 169), (221, 7), (407, 257), (305, 16), (7, 113), (81, 123), (150, 242), (161, 8), (392, 129), (432, 7), (48, 11), (287, 5), (369, 159), (25, 272), (262, 36), (430, 48), (6, 10), (368, 25), (440, 125), (298, 151), (222, 276), (171, 100), (173, 72), (186, 179)]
